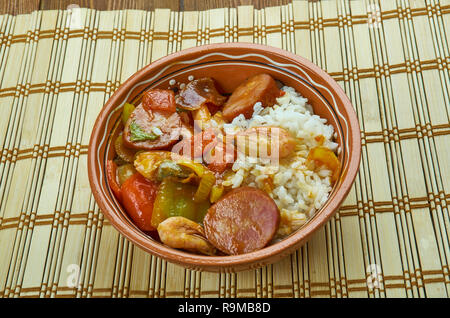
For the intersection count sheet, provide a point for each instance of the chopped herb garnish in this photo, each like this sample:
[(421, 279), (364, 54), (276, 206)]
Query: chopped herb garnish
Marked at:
[(138, 134)]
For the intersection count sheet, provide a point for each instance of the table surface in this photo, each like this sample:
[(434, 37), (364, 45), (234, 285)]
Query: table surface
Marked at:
[(26, 6)]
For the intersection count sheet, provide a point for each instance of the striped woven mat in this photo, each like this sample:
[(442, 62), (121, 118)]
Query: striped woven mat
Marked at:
[(389, 239)]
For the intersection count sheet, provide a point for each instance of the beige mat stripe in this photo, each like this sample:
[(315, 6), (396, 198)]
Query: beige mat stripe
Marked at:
[(338, 283), (399, 187), (57, 233), (6, 28), (392, 151), (391, 267), (353, 87), (7, 123), (46, 61), (435, 109), (19, 174), (418, 217)]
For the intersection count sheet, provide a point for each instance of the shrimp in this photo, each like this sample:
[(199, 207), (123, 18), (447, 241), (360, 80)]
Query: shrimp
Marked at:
[(265, 142), (182, 233)]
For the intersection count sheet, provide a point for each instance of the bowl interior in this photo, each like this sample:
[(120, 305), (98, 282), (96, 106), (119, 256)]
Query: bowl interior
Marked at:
[(229, 66)]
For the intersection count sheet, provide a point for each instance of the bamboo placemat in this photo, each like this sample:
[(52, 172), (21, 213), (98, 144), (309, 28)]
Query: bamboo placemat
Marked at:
[(389, 239)]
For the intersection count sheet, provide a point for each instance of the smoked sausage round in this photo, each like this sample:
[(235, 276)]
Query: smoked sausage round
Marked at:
[(168, 124), (243, 221), (259, 88)]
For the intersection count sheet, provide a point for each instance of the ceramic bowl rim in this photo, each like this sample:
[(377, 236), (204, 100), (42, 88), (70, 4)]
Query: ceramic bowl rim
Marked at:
[(244, 261)]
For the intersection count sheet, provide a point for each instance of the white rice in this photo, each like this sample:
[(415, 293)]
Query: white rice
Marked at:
[(298, 191)]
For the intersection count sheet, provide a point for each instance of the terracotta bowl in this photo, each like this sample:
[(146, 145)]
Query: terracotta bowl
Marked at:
[(229, 64)]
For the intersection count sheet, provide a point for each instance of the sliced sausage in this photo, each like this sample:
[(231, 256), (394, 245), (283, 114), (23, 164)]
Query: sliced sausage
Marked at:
[(243, 221), (259, 88), (200, 92), (159, 100), (124, 153), (169, 126)]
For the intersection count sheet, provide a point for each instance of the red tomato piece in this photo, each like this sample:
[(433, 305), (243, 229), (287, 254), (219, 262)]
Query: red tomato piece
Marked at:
[(138, 196), (111, 175), (159, 100)]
